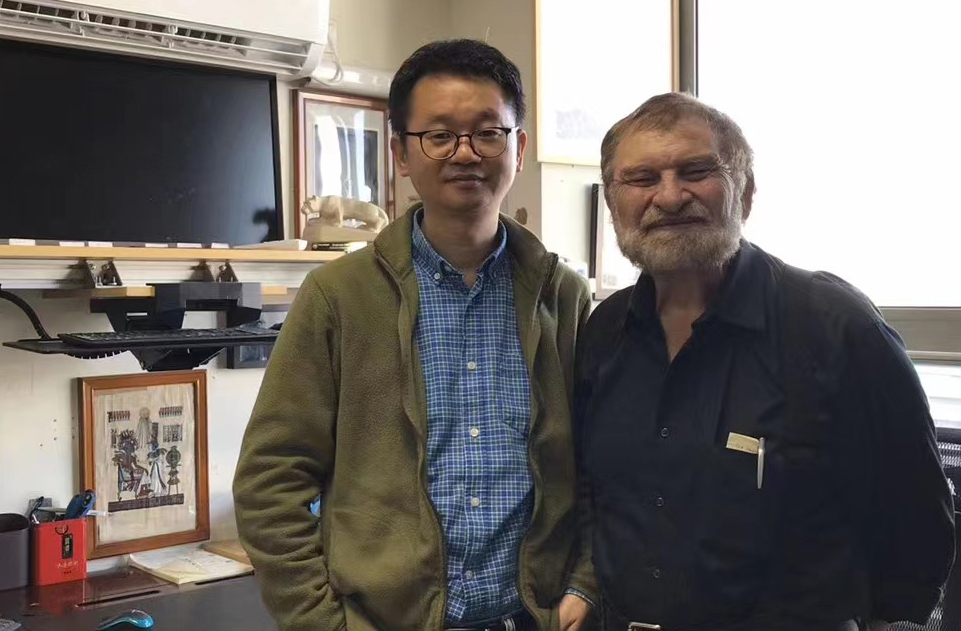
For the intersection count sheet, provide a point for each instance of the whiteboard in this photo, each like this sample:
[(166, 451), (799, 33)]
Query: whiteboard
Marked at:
[(596, 63)]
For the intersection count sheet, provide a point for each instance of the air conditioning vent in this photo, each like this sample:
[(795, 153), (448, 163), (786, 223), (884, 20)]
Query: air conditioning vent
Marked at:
[(60, 23)]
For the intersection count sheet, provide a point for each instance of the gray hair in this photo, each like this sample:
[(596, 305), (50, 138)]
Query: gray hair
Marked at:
[(663, 112)]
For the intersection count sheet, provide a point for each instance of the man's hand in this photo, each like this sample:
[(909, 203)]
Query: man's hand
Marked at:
[(573, 612)]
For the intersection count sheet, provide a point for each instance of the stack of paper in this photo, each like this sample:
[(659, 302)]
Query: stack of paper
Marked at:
[(181, 566)]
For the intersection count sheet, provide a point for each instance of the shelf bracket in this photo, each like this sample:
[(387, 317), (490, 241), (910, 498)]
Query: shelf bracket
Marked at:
[(103, 274), (227, 274)]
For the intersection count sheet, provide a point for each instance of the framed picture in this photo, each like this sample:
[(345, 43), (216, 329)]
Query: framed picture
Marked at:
[(143, 450), (343, 148), (610, 269), (256, 356)]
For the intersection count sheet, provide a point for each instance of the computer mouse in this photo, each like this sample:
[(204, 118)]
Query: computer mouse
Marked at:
[(135, 617)]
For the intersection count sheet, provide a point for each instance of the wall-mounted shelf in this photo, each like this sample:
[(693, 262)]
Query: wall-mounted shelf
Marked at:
[(150, 289), (80, 268), (161, 254)]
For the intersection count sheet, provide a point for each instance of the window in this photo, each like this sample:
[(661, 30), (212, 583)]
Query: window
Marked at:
[(942, 383), (850, 109)]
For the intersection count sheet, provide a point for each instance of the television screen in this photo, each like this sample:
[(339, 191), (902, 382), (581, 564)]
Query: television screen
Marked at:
[(98, 147)]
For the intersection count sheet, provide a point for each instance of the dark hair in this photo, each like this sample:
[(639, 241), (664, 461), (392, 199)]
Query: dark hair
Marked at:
[(663, 112), (459, 58)]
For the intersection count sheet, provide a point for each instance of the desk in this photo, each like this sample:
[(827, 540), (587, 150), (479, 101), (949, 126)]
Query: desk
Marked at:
[(227, 605)]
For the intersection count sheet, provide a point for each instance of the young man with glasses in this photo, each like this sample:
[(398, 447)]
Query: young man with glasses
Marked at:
[(423, 385)]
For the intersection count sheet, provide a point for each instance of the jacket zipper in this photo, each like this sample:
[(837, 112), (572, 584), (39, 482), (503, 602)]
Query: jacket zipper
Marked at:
[(423, 471), (530, 466)]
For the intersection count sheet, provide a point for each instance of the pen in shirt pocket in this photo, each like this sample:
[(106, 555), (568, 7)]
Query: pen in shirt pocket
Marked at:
[(760, 462)]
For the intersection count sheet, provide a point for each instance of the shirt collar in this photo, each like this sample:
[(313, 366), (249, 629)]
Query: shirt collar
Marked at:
[(741, 300), (425, 254)]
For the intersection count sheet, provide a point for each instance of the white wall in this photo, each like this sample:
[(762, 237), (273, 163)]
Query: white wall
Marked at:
[(38, 410), (509, 26), (380, 34), (288, 152), (38, 421), (556, 196), (566, 208)]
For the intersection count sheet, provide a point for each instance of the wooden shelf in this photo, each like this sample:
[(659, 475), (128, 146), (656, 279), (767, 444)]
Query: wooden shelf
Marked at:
[(101, 292), (65, 271), (163, 254)]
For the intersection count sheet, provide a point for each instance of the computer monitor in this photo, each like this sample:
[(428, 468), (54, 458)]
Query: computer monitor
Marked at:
[(99, 147)]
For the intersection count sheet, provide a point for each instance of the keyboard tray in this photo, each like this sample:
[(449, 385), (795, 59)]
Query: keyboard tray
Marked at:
[(233, 336)]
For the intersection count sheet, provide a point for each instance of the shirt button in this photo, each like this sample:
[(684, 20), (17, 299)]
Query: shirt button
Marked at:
[(665, 432), (436, 275), (474, 432), (471, 365), (468, 575), (656, 573), (475, 502), (659, 501)]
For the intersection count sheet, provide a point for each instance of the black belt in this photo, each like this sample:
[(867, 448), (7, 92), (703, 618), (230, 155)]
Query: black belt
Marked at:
[(614, 622), (522, 621), (847, 625)]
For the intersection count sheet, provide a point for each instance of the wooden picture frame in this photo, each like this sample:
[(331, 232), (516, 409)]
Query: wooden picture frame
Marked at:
[(357, 126), (155, 494), (609, 268)]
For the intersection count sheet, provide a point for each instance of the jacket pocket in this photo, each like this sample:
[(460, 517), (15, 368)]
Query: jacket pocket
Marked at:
[(388, 572), (356, 621)]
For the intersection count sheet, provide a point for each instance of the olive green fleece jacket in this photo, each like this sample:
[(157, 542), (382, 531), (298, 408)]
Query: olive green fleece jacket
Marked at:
[(343, 408)]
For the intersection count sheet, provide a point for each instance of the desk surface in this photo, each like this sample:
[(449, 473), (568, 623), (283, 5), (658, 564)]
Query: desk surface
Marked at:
[(228, 605)]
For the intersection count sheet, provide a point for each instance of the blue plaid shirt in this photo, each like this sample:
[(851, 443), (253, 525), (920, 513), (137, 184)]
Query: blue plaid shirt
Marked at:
[(478, 417)]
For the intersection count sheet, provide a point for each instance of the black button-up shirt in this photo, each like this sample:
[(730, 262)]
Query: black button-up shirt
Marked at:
[(681, 534)]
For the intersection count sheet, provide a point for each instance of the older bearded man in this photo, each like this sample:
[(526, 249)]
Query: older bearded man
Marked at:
[(740, 419)]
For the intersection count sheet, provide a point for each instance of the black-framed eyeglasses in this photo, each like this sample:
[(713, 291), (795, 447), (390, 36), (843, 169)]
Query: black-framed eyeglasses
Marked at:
[(441, 144)]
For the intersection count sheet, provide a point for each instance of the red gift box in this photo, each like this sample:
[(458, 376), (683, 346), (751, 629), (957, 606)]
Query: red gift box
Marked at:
[(59, 551)]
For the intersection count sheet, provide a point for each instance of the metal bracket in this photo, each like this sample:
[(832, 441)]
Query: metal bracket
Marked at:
[(105, 275), (227, 274), (202, 273)]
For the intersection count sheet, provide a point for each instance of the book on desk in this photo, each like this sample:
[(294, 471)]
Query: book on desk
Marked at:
[(180, 566)]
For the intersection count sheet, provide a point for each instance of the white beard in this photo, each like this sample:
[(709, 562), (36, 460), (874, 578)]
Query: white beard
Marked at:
[(702, 248)]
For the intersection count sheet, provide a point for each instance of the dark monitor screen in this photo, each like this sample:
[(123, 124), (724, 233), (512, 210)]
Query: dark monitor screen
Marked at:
[(98, 147)]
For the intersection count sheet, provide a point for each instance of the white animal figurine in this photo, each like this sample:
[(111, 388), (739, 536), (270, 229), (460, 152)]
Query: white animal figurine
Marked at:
[(332, 210)]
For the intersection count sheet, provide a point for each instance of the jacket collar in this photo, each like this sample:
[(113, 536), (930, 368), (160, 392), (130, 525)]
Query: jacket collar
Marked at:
[(531, 260), (741, 300)]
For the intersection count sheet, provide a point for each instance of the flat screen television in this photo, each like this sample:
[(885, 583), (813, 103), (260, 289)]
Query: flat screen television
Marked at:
[(99, 147)]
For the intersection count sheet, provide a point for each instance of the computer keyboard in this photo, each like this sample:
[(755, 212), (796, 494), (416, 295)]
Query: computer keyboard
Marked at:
[(174, 337)]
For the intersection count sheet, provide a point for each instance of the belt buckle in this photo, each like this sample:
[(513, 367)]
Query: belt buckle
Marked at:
[(640, 626), (508, 622)]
